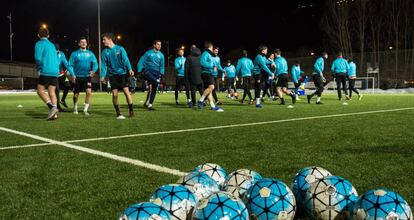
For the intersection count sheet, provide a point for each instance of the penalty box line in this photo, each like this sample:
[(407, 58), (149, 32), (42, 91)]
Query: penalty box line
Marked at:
[(139, 163), (212, 128)]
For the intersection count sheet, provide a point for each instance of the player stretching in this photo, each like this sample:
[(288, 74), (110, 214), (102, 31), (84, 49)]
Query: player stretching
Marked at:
[(282, 73), (82, 66), (116, 65), (208, 66), (152, 65), (318, 78), (47, 65)]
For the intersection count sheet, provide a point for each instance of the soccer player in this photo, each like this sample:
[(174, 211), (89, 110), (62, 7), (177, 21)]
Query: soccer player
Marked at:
[(116, 65), (282, 73), (219, 69), (152, 65), (63, 66), (193, 73), (179, 65), (82, 67), (340, 70), (352, 69), (208, 66), (260, 73), (67, 85), (230, 73), (132, 84), (318, 78), (296, 77), (47, 65), (268, 88), (244, 69)]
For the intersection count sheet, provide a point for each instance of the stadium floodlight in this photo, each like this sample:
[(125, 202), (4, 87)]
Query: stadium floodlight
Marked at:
[(119, 37), (44, 26), (390, 48), (312, 54), (183, 47)]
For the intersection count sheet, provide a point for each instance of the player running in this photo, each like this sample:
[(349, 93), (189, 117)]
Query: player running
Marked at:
[(47, 65), (340, 70), (296, 77), (116, 66), (352, 70), (82, 67)]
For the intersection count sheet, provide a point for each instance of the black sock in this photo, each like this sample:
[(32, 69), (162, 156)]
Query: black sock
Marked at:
[(131, 107), (118, 112), (282, 101), (49, 105)]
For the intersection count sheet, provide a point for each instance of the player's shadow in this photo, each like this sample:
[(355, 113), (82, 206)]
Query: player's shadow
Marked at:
[(36, 115), (109, 113), (173, 105)]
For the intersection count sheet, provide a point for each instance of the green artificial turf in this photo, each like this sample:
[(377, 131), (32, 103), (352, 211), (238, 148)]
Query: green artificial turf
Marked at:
[(47, 182)]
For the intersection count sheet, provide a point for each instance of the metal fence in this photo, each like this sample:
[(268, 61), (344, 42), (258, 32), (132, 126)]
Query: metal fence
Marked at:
[(391, 69)]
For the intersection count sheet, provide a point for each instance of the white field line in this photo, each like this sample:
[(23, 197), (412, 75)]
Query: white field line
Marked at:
[(239, 125), (24, 146), (139, 163), (213, 128)]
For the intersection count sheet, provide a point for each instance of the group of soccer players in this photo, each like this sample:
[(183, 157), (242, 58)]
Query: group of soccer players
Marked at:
[(197, 72)]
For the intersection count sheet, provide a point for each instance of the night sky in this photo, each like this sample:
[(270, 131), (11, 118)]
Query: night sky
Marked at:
[(292, 26)]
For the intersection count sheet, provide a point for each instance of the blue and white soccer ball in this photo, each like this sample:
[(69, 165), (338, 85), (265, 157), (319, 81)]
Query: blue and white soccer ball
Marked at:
[(239, 181), (330, 198), (200, 184), (303, 181), (270, 199), (215, 171), (146, 211), (381, 204), (221, 206), (178, 200)]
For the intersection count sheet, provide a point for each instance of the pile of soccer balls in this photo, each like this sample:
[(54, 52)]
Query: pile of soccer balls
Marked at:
[(209, 193)]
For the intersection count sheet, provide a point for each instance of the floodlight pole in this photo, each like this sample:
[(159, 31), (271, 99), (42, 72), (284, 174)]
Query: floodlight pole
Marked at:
[(10, 36), (99, 43)]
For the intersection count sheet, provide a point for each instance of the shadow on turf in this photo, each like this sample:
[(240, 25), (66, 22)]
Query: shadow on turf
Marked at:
[(36, 115), (173, 105)]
